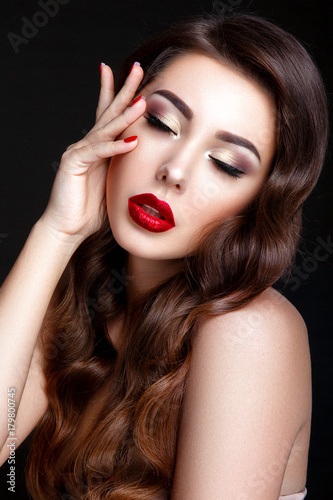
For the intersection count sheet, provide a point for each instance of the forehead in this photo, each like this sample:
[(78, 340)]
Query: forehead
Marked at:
[(221, 98)]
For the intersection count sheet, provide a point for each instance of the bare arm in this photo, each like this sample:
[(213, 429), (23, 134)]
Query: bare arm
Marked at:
[(24, 298), (75, 211), (248, 395), (33, 405)]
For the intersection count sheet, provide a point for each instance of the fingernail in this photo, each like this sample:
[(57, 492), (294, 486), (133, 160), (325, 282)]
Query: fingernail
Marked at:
[(100, 67), (131, 139), (135, 64), (136, 100)]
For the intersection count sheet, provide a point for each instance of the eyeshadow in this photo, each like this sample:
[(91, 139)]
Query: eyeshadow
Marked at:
[(161, 111), (234, 158)]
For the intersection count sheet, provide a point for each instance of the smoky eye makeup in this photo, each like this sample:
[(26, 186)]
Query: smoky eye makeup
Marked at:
[(230, 158), (237, 157), (161, 117), (229, 162), (160, 124), (227, 168)]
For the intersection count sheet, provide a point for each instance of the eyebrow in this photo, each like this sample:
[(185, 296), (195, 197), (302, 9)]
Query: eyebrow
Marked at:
[(221, 135), (176, 101), (239, 141)]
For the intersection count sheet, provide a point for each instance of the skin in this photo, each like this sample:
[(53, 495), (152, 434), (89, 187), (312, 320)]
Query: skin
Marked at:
[(249, 440), (246, 415), (75, 210), (177, 167)]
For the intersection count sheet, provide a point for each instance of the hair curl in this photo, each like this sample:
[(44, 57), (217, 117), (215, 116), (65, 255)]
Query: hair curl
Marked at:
[(110, 430)]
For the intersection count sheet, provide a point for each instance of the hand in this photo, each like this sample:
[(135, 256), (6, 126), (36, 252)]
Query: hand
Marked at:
[(77, 202)]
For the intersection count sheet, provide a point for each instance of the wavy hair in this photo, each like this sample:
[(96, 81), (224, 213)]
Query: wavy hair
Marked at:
[(110, 431)]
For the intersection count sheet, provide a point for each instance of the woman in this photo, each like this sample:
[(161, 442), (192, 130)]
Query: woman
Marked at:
[(162, 364)]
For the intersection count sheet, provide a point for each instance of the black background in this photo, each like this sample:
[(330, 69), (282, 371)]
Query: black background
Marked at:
[(49, 90)]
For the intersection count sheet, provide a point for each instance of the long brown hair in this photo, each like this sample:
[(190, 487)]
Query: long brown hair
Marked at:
[(110, 430)]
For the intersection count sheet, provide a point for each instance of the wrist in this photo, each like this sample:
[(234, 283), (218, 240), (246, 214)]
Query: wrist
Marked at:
[(62, 243)]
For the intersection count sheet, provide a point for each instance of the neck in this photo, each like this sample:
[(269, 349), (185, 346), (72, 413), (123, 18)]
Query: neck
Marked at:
[(140, 276), (143, 275)]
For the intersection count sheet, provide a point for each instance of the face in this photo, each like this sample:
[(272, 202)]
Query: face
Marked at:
[(205, 147)]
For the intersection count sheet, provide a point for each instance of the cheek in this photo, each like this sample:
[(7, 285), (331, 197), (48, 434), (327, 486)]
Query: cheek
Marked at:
[(114, 186), (118, 175), (110, 182), (123, 180), (219, 199)]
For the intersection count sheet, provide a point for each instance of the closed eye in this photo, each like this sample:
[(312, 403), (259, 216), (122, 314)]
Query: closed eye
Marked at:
[(225, 167), (157, 123)]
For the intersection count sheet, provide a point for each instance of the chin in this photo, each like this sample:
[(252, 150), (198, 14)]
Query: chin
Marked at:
[(144, 244)]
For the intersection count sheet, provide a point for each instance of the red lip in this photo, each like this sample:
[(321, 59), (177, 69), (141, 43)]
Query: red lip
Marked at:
[(148, 221)]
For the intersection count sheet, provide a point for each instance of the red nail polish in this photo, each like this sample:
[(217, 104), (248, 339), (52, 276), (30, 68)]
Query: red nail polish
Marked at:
[(131, 139), (100, 67), (136, 100), (134, 64)]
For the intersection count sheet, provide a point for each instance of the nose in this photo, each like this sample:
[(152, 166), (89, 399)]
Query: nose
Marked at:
[(171, 175), (177, 169)]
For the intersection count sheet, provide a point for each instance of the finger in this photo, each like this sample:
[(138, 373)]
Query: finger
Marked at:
[(87, 155), (114, 128), (124, 97), (106, 94)]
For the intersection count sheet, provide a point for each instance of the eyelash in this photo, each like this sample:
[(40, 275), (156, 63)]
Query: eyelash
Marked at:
[(221, 165), (225, 167), (156, 122)]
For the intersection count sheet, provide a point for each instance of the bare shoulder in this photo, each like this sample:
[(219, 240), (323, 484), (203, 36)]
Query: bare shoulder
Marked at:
[(247, 401), (268, 324), (266, 343)]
